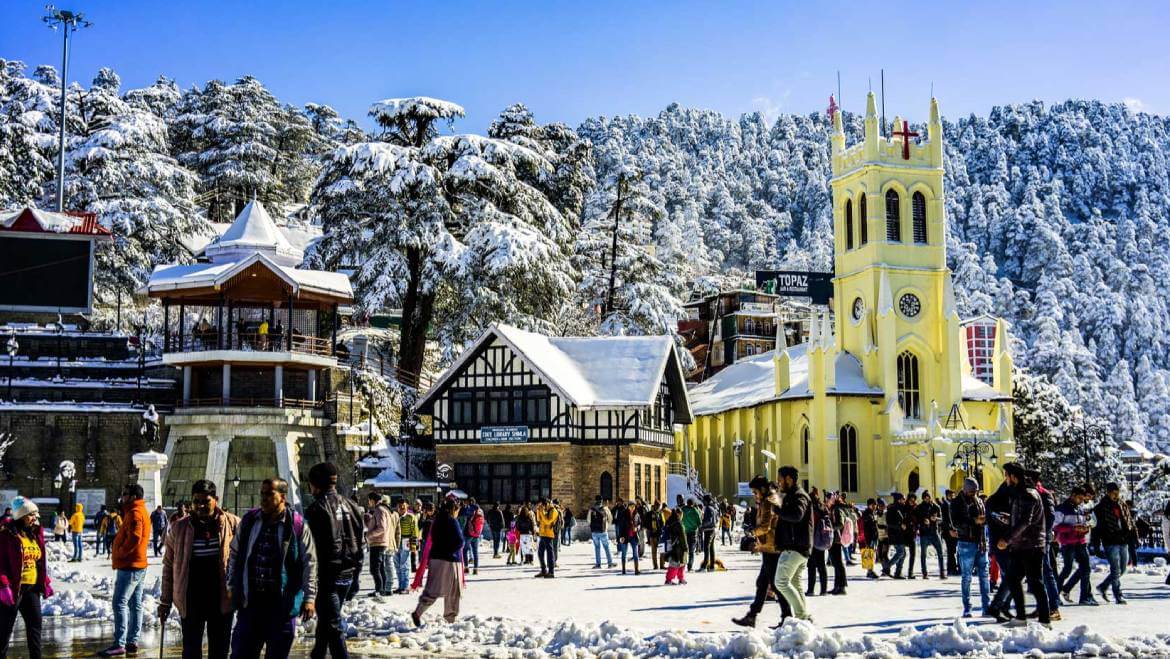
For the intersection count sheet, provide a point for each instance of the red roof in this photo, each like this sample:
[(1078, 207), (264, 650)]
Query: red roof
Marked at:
[(36, 220)]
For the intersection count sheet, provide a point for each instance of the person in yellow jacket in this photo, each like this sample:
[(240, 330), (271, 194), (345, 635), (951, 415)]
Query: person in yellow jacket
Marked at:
[(547, 518), (77, 528)]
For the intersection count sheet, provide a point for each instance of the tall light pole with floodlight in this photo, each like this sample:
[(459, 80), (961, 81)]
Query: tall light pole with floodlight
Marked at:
[(68, 22)]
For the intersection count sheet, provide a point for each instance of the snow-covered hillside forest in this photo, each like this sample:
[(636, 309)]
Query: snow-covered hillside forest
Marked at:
[(1057, 214)]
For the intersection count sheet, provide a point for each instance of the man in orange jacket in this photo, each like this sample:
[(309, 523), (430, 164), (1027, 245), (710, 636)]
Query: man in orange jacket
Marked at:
[(129, 559)]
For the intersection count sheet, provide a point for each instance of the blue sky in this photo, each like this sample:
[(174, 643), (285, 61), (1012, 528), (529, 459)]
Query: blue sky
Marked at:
[(568, 61)]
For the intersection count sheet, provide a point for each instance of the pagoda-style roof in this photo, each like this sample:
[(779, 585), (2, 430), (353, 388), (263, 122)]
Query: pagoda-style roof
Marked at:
[(255, 277), (254, 231)]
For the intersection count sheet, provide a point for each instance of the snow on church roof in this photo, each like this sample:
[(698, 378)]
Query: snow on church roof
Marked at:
[(591, 372), (254, 231), (752, 381), (978, 390)]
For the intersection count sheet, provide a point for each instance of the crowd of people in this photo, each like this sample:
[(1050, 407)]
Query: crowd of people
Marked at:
[(243, 582), (1017, 536)]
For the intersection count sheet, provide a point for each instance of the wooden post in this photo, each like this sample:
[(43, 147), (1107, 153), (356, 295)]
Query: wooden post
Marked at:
[(290, 322), (182, 317), (167, 327)]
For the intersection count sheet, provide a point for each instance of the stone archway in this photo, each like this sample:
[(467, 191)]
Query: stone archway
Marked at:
[(913, 481)]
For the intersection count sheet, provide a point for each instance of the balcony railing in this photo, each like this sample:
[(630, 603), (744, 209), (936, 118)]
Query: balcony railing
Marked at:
[(235, 401), (199, 341)]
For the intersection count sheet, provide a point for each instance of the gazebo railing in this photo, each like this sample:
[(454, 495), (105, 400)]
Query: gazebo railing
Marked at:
[(237, 401), (203, 341)]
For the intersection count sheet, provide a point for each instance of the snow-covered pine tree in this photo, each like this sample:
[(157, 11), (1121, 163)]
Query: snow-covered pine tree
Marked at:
[(28, 127), (1054, 438), (449, 228), (645, 293), (243, 143), (117, 165)]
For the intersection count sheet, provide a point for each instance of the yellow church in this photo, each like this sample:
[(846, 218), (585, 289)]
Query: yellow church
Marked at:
[(881, 397)]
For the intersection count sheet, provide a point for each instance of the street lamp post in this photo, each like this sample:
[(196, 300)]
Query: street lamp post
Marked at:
[(13, 346), (236, 492), (419, 429), (968, 451), (737, 446)]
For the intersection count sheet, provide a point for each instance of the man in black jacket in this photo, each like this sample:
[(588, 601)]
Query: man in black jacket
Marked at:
[(869, 528), (1114, 526), (968, 518), (336, 525), (927, 516), (896, 521), (949, 498), (495, 522), (1026, 544), (794, 532), (999, 509)]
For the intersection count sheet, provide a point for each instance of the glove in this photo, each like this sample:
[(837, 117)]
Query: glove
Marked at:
[(164, 610), (6, 597)]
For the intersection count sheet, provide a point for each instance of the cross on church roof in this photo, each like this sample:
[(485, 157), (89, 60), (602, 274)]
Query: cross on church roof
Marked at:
[(905, 134)]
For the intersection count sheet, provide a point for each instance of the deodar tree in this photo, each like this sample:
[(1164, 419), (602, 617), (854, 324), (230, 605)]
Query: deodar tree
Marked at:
[(454, 229)]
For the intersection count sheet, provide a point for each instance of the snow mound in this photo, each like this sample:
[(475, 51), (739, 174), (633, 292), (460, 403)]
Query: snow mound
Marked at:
[(78, 604), (391, 109), (494, 636)]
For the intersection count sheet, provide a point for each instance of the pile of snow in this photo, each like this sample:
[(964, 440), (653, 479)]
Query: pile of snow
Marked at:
[(58, 551), (477, 635), (78, 604)]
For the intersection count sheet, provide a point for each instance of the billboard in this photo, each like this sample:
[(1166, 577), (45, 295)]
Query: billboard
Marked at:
[(792, 283), (45, 274)]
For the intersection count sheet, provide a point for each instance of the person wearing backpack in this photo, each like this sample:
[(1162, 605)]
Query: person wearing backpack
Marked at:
[(272, 575), (336, 525), (599, 521), (821, 541)]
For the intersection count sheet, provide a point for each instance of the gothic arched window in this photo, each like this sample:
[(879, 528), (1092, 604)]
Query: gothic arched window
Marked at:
[(804, 445), (908, 388), (849, 458), (848, 224), (864, 221), (918, 215), (893, 217)]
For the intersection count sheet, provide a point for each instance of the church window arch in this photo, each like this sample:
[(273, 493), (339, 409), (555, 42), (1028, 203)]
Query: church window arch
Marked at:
[(848, 447), (893, 217), (848, 224), (918, 215), (864, 223), (804, 445), (909, 391)]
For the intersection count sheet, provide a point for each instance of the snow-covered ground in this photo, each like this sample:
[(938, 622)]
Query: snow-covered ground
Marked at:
[(586, 612)]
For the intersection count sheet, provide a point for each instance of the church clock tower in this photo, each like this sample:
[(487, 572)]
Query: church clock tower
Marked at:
[(893, 301)]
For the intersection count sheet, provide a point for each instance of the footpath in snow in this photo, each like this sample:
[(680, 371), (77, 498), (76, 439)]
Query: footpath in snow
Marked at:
[(586, 612)]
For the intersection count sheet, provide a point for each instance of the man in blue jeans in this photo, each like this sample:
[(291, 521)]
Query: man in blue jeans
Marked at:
[(599, 521), (1071, 526), (128, 550), (402, 554), (1114, 525), (968, 524)]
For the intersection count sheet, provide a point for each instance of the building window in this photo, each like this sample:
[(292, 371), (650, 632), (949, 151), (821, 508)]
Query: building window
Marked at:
[(804, 445), (893, 217), (506, 482), (606, 491), (637, 480), (908, 388), (864, 220), (657, 482), (918, 215), (848, 447), (981, 349), (462, 407), (848, 224)]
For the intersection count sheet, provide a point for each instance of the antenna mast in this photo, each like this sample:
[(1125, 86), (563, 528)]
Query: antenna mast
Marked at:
[(882, 132)]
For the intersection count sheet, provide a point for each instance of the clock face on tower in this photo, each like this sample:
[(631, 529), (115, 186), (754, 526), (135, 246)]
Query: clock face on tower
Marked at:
[(858, 308), (909, 305)]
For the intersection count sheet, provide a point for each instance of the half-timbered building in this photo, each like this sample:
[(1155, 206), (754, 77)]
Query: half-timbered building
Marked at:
[(521, 415)]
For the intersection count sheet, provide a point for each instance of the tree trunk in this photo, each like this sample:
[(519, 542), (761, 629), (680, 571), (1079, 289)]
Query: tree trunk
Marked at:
[(417, 309)]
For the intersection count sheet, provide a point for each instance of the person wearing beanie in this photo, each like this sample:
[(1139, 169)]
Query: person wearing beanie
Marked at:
[(968, 522), (24, 575), (1114, 526), (194, 573), (338, 534), (128, 555)]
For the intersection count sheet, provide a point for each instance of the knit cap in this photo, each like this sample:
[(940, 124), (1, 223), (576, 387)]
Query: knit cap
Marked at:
[(970, 486), (22, 507)]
